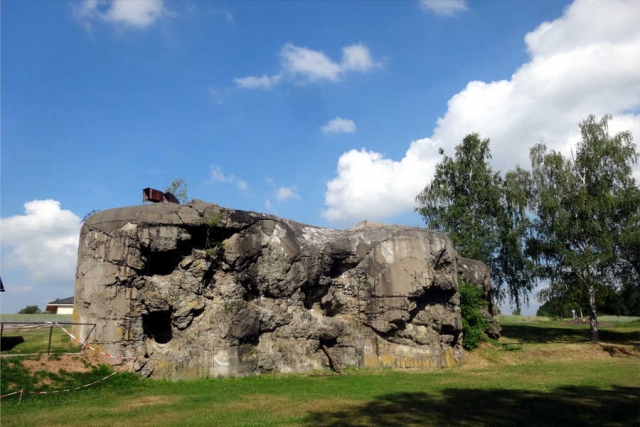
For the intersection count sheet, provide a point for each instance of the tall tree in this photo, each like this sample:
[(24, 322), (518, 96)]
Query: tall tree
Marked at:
[(584, 208), (484, 215), (629, 245), (178, 188), (514, 267), (463, 199)]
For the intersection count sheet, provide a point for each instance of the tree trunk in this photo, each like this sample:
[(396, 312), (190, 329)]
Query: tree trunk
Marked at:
[(593, 317)]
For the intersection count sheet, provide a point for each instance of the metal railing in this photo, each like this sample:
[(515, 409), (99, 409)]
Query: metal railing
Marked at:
[(14, 327)]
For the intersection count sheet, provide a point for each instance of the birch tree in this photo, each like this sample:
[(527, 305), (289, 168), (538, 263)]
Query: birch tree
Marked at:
[(484, 215), (586, 208)]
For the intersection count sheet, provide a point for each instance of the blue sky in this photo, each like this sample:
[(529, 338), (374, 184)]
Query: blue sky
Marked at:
[(327, 113)]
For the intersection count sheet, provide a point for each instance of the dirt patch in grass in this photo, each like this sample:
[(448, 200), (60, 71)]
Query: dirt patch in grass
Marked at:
[(67, 362), (477, 359), (282, 406), (587, 351), (577, 321), (621, 350), (585, 322), (100, 417), (141, 402), (488, 355)]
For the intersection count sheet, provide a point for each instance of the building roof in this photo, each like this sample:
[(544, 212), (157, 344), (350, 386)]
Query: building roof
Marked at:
[(63, 301)]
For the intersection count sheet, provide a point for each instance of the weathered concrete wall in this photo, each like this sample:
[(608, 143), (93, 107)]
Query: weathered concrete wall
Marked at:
[(198, 290)]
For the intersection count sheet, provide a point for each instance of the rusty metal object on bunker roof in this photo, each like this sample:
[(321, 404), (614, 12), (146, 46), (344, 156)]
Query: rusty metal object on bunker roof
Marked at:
[(157, 196), (169, 197)]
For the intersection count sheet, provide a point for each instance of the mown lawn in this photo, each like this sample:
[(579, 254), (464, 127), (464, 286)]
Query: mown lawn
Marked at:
[(564, 383), (536, 330)]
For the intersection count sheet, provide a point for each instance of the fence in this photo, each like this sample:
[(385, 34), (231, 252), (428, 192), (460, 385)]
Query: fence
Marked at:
[(45, 332), (13, 342)]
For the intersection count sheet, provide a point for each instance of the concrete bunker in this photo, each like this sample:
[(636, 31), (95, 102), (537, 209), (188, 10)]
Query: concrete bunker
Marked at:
[(197, 290)]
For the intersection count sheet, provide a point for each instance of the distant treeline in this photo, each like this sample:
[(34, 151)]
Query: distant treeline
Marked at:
[(611, 301)]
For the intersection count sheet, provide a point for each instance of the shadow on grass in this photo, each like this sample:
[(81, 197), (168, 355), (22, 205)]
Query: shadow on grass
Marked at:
[(8, 343), (567, 406), (546, 334)]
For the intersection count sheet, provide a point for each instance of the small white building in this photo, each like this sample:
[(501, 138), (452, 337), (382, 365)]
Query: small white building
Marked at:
[(60, 306)]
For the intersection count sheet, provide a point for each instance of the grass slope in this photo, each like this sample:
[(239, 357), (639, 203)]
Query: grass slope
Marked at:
[(559, 379)]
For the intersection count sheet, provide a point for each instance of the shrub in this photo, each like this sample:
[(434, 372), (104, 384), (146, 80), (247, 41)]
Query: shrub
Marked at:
[(30, 309), (473, 321), (214, 246)]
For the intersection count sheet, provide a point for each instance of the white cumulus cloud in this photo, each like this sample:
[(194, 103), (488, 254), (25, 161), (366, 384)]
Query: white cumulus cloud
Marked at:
[(585, 62), (216, 175), (370, 186), (286, 193), (313, 65), (356, 58), (264, 82), (339, 125), (43, 241), (309, 63), (129, 13), (445, 8)]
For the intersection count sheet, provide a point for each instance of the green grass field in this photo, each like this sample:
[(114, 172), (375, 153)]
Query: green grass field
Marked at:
[(43, 317), (543, 330), (559, 379)]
